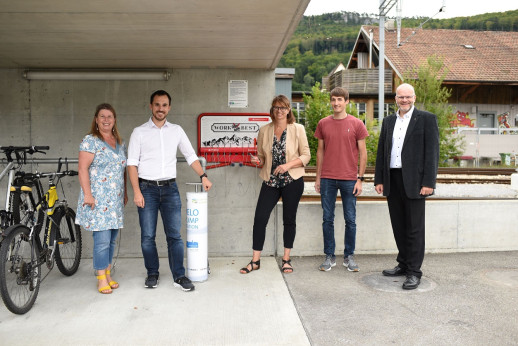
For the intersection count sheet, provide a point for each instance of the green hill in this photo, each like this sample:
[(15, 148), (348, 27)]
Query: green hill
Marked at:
[(321, 42)]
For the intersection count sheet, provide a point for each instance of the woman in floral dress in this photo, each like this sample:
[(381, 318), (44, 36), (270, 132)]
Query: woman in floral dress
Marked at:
[(283, 150), (102, 176)]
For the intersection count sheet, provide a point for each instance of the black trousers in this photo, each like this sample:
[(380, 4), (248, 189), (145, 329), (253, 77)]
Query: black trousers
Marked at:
[(408, 224), (268, 198)]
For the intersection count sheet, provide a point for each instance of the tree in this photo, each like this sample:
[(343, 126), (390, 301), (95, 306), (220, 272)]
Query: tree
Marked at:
[(317, 107), (433, 97), (308, 79)]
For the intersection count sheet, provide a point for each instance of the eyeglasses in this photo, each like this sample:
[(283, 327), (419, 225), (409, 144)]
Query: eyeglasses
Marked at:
[(284, 109), (106, 117), (405, 97)]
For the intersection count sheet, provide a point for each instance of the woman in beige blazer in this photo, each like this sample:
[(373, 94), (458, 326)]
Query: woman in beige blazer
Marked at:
[(283, 151)]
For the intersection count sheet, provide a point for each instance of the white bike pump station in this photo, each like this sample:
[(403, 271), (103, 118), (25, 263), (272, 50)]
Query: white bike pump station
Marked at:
[(197, 234)]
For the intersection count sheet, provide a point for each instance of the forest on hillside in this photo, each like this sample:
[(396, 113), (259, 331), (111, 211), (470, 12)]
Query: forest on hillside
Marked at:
[(321, 42)]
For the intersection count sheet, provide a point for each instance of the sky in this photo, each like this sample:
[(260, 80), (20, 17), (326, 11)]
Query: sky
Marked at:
[(411, 8)]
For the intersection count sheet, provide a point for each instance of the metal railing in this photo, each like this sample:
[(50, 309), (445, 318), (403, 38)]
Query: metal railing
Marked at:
[(491, 130)]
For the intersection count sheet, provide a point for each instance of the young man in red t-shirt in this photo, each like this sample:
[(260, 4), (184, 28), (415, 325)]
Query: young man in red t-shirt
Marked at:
[(341, 140)]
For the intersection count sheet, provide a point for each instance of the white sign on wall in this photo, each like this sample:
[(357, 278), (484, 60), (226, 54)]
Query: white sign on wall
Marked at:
[(238, 94)]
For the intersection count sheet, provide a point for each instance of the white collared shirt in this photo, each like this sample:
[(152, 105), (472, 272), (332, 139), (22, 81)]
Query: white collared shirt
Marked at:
[(153, 150), (398, 137)]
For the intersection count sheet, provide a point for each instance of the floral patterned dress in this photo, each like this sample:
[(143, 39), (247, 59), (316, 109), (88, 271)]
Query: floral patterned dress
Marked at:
[(279, 158), (107, 185)]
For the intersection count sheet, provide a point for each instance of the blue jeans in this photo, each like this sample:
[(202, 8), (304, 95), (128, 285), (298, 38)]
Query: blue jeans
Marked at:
[(167, 200), (328, 192), (104, 245)]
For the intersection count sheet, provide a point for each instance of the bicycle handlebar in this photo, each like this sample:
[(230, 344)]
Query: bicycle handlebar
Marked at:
[(33, 148), (21, 152), (57, 174), (33, 176)]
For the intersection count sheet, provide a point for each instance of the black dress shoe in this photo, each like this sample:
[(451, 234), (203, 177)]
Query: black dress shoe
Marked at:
[(397, 271), (411, 282)]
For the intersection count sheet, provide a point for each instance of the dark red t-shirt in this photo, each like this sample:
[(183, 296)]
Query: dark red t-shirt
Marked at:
[(341, 138)]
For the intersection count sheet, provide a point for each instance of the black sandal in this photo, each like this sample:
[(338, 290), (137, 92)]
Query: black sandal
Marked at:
[(285, 269), (246, 270)]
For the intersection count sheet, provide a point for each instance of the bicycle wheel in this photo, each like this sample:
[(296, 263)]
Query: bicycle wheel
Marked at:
[(19, 279), (16, 204), (68, 240)]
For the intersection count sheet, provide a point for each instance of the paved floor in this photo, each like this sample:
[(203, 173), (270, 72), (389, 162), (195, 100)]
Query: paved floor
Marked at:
[(464, 299)]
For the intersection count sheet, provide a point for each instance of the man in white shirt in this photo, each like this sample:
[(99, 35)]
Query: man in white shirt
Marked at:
[(406, 173), (152, 172)]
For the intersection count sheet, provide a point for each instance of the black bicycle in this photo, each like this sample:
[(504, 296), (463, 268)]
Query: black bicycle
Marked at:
[(16, 157), (28, 245)]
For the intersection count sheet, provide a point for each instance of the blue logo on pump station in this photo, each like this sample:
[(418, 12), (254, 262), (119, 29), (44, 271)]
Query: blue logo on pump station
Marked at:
[(192, 244)]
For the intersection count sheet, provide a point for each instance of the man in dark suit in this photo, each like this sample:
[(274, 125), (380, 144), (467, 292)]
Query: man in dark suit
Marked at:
[(406, 171)]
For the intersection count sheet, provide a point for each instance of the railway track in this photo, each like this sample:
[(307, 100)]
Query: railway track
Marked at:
[(448, 175)]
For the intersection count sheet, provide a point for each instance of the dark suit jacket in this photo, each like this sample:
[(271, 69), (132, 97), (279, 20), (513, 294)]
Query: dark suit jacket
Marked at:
[(419, 157)]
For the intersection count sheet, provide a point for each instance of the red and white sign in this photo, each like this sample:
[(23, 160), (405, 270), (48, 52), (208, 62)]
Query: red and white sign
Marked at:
[(229, 137)]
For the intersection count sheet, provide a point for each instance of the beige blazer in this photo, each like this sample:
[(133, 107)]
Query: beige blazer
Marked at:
[(296, 147)]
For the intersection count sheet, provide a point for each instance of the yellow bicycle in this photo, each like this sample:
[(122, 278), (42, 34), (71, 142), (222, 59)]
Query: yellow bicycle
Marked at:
[(26, 248)]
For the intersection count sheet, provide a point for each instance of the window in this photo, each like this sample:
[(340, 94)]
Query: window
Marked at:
[(298, 109), (360, 107), (387, 110)]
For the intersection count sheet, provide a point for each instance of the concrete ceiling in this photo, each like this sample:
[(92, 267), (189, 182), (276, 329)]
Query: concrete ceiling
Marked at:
[(136, 34)]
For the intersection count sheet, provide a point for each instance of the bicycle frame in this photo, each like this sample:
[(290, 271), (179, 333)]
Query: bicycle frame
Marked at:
[(8, 169), (49, 202), (51, 197)]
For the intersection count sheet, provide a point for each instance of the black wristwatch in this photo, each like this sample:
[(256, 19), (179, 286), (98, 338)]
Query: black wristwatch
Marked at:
[(203, 175), (361, 178)]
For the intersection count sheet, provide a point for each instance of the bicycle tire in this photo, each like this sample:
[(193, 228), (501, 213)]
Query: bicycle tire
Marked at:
[(19, 280), (19, 200), (16, 202), (68, 241), (19, 212)]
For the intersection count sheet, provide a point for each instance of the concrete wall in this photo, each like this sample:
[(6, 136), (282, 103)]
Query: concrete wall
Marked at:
[(451, 226), (59, 114)]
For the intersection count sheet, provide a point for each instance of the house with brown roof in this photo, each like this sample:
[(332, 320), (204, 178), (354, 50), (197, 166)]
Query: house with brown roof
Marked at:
[(482, 73), (482, 68)]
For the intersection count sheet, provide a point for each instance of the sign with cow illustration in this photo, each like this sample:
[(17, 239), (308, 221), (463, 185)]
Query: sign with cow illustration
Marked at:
[(229, 138)]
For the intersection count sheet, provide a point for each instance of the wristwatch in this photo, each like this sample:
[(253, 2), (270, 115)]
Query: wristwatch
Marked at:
[(361, 178), (203, 175)]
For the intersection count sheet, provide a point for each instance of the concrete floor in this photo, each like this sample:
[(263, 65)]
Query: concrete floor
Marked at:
[(464, 299)]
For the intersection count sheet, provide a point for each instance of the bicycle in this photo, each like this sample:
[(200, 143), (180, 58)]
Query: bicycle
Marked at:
[(13, 164), (26, 248)]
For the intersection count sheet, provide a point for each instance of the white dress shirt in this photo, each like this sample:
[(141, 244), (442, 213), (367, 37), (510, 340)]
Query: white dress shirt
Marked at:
[(153, 150), (398, 137)]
